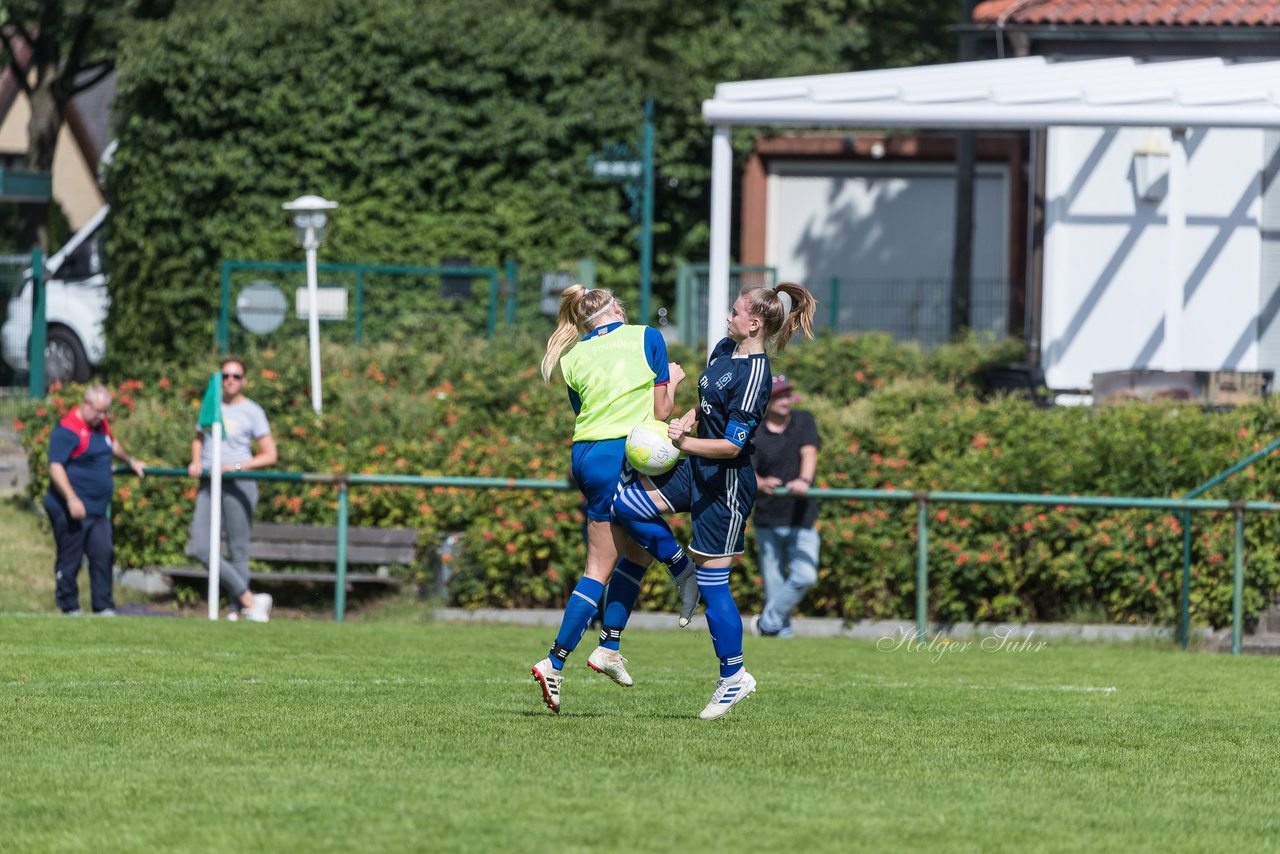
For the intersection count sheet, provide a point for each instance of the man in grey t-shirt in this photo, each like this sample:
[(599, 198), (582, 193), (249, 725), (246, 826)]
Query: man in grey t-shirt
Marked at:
[(245, 425)]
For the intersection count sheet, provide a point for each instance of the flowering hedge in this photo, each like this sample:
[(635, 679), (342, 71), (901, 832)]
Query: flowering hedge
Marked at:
[(899, 420)]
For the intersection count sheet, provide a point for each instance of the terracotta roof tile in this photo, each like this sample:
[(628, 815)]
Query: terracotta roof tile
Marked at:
[(1142, 13)]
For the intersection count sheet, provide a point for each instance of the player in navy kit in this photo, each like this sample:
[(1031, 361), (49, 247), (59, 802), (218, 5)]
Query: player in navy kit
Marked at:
[(715, 482)]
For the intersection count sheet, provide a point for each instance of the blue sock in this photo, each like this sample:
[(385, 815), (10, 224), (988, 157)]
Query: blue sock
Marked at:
[(643, 522), (578, 612), (723, 620), (624, 589)]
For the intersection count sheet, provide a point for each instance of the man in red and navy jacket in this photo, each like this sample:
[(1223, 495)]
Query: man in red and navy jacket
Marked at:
[(79, 500)]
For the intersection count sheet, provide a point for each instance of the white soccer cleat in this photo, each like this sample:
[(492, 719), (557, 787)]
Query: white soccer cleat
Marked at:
[(611, 663), (687, 582), (729, 692), (260, 611), (549, 679)]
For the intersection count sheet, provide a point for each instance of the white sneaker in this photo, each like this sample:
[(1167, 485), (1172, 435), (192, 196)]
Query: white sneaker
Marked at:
[(260, 611), (729, 692), (687, 582), (233, 616), (549, 679), (611, 663)]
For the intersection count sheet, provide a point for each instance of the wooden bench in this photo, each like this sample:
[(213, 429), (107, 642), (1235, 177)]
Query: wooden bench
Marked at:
[(377, 547)]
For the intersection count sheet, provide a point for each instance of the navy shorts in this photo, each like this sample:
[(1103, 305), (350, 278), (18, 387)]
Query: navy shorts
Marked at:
[(719, 499), (596, 467)]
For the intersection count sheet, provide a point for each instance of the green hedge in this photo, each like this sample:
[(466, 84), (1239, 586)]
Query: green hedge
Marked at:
[(891, 417), (445, 128)]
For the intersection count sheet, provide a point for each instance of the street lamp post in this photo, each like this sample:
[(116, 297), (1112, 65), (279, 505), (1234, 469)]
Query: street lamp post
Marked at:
[(310, 219)]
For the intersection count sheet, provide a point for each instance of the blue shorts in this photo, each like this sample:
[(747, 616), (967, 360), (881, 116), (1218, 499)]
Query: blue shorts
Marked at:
[(596, 467), (719, 499)]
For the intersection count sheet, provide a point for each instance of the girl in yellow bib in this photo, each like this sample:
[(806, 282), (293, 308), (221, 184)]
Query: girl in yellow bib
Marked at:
[(617, 376)]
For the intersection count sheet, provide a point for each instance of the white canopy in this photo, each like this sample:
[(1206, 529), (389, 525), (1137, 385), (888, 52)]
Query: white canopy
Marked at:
[(1022, 94)]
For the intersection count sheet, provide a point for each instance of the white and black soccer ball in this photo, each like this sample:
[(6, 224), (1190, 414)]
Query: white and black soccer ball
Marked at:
[(649, 450)]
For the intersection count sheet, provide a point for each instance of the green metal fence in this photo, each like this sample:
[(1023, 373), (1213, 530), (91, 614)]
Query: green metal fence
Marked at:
[(344, 482), (692, 289), (382, 301), (910, 309), (1184, 623), (20, 309)]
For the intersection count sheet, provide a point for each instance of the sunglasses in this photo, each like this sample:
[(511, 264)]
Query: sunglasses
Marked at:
[(233, 376)]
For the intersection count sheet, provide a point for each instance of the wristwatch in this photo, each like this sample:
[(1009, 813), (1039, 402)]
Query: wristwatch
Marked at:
[(238, 466)]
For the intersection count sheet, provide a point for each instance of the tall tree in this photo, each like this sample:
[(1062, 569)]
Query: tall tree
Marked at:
[(56, 49)]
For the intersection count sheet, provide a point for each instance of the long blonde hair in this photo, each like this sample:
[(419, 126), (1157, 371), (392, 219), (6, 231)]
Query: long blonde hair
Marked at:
[(579, 308), (781, 321)]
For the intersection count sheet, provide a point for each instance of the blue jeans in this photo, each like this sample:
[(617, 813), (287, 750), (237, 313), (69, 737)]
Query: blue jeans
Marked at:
[(789, 567)]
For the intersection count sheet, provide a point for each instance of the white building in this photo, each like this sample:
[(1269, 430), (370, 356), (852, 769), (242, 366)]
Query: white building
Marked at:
[(1152, 211)]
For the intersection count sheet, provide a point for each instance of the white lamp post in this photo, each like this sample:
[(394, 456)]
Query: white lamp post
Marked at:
[(310, 218)]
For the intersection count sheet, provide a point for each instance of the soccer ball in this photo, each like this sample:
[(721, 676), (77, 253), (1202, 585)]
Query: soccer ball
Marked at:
[(649, 450)]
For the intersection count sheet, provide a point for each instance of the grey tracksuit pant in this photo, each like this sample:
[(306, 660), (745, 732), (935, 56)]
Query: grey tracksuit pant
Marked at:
[(239, 500)]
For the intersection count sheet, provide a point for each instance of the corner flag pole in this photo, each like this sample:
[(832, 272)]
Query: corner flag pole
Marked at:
[(211, 422)]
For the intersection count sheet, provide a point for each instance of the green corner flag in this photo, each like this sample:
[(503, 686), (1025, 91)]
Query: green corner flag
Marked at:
[(211, 408)]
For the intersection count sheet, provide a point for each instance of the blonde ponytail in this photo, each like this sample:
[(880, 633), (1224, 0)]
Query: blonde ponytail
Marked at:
[(785, 309), (578, 307)]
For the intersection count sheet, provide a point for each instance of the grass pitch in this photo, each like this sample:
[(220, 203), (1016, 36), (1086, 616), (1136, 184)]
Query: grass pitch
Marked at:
[(156, 733)]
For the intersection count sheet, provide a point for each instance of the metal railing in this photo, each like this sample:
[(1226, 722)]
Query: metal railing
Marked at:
[(343, 483), (1184, 622)]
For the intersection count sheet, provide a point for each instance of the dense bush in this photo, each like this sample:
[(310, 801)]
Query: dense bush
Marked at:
[(472, 409), (451, 128)]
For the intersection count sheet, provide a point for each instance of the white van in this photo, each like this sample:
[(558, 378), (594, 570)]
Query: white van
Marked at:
[(76, 304)]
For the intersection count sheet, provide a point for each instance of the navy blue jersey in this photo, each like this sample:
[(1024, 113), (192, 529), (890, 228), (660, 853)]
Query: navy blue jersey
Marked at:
[(733, 393), (88, 471)]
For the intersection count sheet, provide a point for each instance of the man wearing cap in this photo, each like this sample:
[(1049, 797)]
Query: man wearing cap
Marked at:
[(79, 500), (786, 457)]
